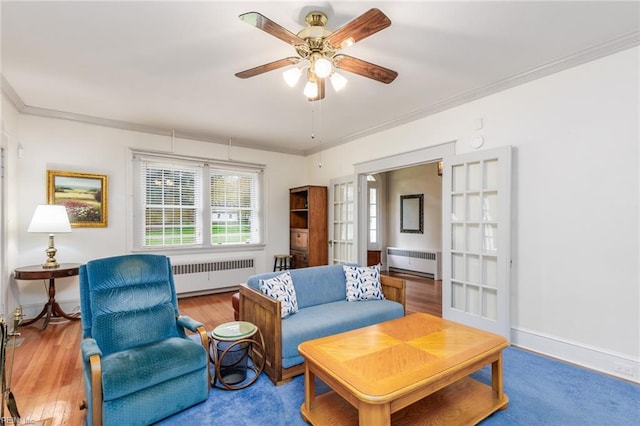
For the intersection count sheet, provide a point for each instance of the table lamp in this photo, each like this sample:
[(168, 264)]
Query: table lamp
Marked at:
[(50, 219)]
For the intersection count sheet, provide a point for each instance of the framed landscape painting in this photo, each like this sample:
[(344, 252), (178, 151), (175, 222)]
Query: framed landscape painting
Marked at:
[(83, 194)]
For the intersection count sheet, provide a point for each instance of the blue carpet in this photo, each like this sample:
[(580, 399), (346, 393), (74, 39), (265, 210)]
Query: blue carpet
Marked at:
[(541, 391)]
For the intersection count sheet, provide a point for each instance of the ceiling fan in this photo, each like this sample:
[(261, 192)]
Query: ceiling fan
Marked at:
[(318, 51)]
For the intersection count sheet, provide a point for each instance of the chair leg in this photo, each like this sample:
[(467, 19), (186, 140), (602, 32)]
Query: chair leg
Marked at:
[(282, 262)]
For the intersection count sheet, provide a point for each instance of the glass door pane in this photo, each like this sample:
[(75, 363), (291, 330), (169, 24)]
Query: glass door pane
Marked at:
[(342, 228), (476, 246)]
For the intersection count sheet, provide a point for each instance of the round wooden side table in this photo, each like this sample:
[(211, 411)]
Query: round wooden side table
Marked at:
[(231, 345), (51, 308)]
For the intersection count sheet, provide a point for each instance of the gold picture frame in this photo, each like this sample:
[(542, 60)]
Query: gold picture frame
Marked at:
[(83, 194)]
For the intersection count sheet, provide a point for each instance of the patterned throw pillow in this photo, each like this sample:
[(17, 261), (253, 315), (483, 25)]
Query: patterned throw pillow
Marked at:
[(281, 288), (363, 283)]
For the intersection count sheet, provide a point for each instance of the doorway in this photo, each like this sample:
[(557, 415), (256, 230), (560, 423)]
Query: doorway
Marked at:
[(392, 177), (476, 230), (388, 232)]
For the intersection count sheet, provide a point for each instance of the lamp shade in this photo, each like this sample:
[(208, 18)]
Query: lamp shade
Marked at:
[(50, 219), (291, 76), (311, 89), (338, 81), (322, 67)]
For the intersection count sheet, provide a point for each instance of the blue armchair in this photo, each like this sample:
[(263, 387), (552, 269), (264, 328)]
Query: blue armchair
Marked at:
[(138, 365)]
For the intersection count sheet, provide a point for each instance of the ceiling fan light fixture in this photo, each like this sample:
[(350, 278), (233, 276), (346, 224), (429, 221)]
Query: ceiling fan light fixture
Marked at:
[(291, 76), (311, 89), (322, 67), (338, 81), (318, 49)]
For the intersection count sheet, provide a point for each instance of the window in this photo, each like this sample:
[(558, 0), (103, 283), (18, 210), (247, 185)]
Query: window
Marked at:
[(374, 216), (233, 207), (170, 195)]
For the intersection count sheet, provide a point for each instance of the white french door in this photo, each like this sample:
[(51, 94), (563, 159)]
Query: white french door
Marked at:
[(342, 220), (476, 250)]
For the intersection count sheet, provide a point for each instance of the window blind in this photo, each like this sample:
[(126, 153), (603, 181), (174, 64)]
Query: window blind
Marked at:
[(234, 207), (171, 204), (191, 203)]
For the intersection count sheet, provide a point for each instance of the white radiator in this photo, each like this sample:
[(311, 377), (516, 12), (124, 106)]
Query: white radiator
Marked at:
[(202, 277), (417, 261)]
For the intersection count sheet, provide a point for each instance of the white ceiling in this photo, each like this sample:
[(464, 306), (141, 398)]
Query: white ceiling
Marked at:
[(169, 66)]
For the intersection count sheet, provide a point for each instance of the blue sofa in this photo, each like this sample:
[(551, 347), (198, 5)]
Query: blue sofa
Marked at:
[(322, 311)]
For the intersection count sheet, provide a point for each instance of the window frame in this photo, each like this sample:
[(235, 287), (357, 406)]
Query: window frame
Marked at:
[(206, 166)]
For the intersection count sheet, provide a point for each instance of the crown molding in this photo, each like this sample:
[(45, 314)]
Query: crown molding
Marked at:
[(619, 44), (125, 125), (13, 96)]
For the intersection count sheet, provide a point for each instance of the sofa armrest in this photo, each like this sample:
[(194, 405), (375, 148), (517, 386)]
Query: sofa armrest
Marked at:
[(394, 289), (265, 313)]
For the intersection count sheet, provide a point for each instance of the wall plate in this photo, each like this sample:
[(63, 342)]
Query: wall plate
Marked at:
[(477, 142)]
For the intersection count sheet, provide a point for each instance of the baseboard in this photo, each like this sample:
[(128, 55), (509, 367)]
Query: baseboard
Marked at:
[(232, 288), (602, 360)]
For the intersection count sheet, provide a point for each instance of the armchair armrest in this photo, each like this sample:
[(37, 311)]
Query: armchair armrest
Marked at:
[(265, 313), (92, 354), (196, 327), (188, 323), (89, 347), (394, 289)]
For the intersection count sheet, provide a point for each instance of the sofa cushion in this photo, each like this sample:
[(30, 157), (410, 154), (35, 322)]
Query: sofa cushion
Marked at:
[(314, 286), (331, 318), (281, 288), (363, 283)]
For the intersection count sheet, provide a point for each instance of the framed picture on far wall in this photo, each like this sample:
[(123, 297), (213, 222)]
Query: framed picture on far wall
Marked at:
[(83, 194)]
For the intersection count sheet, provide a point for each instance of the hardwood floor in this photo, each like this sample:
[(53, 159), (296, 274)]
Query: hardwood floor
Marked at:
[(423, 294), (47, 372)]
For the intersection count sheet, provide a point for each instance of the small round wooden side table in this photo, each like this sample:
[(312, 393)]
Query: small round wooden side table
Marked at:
[(231, 345), (51, 308)]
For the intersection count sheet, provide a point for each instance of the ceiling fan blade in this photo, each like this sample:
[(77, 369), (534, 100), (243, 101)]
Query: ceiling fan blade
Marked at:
[(364, 68), (292, 60), (267, 25), (363, 26), (320, 84)]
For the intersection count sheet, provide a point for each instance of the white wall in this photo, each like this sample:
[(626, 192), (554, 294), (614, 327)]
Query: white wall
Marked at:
[(424, 180), (54, 144), (9, 249), (576, 282)]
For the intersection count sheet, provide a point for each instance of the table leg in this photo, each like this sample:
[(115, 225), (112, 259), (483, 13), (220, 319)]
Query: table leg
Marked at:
[(45, 311), (217, 360), (497, 382), (58, 312), (309, 387), (374, 414), (51, 309)]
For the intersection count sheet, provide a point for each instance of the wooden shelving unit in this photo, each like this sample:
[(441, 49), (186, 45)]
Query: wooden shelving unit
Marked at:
[(308, 226)]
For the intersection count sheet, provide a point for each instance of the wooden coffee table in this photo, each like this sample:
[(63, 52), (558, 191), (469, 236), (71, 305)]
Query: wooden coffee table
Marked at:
[(409, 370)]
